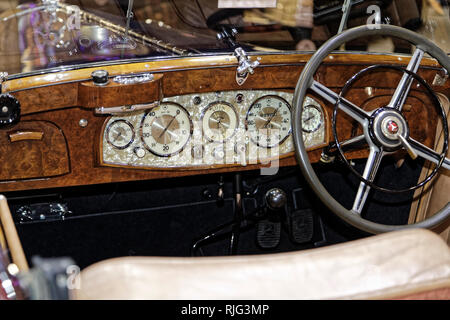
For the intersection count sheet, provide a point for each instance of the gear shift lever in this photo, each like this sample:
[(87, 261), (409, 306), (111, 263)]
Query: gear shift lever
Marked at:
[(276, 199), (269, 229)]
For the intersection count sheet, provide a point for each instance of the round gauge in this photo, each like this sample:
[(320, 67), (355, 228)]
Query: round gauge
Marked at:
[(311, 118), (166, 129), (269, 121), (219, 121), (120, 134)]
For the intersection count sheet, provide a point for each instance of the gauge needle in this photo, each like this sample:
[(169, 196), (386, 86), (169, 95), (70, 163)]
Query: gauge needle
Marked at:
[(306, 120), (172, 134), (119, 133), (165, 129), (271, 118), (219, 122), (168, 131), (261, 118), (276, 124)]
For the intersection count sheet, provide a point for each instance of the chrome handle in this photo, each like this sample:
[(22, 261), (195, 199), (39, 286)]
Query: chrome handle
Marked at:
[(126, 109), (133, 79)]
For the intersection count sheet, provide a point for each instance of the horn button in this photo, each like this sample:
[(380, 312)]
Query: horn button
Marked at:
[(386, 125)]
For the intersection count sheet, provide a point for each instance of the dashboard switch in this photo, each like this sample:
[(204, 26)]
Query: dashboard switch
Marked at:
[(197, 152), (140, 152), (241, 150), (219, 153)]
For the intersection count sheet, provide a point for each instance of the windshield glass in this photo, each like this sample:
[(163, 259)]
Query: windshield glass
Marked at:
[(38, 35)]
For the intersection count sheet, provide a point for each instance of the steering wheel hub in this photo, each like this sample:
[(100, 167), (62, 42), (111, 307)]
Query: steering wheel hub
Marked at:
[(386, 127)]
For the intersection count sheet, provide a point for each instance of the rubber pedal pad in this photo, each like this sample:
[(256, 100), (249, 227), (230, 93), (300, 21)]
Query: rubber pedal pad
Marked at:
[(268, 234), (301, 225)]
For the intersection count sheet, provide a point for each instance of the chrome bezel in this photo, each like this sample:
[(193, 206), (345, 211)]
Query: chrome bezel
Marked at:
[(318, 108), (290, 126), (108, 128), (203, 115), (141, 127)]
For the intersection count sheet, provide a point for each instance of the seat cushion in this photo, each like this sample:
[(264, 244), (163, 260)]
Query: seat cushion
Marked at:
[(392, 265)]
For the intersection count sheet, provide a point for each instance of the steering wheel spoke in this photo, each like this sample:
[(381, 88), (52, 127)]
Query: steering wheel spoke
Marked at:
[(348, 107), (354, 142), (428, 153), (370, 171), (404, 86)]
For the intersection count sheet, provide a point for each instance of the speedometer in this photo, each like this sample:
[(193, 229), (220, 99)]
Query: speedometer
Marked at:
[(268, 121), (166, 129)]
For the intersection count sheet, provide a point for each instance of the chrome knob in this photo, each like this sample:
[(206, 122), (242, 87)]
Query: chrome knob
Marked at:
[(100, 77), (276, 198)]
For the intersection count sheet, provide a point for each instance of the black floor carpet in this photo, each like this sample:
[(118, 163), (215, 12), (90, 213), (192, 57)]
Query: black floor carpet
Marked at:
[(165, 217)]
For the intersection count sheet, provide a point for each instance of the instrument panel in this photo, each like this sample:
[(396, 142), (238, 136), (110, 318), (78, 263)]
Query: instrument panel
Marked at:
[(209, 130)]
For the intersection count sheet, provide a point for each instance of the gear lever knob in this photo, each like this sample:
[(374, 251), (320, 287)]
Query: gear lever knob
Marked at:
[(276, 199)]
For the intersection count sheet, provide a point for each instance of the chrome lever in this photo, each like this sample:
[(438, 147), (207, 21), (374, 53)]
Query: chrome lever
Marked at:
[(126, 109), (245, 65), (408, 147)]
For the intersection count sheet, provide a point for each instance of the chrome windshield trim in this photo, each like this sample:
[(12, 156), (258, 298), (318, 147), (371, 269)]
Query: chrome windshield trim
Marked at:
[(174, 57)]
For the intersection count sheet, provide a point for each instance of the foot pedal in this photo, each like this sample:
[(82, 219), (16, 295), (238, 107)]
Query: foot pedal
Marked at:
[(268, 234), (301, 225)]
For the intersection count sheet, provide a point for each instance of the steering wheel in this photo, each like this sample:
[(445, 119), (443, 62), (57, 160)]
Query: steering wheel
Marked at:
[(384, 129)]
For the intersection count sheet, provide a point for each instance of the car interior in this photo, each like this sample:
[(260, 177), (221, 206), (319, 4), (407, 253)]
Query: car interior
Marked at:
[(215, 150)]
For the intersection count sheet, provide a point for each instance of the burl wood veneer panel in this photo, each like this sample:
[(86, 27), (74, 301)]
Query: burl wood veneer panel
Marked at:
[(33, 149)]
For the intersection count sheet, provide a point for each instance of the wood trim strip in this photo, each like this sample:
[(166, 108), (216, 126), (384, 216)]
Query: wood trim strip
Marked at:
[(25, 135), (202, 62)]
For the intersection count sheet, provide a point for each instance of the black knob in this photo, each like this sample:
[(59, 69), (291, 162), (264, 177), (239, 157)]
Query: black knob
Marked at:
[(276, 198), (100, 77), (197, 100), (9, 110)]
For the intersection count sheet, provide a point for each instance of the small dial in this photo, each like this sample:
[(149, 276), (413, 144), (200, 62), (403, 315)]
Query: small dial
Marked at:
[(269, 121), (219, 121), (120, 134), (166, 129), (312, 118)]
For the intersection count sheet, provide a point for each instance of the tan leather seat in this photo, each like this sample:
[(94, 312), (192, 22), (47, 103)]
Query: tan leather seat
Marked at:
[(409, 263)]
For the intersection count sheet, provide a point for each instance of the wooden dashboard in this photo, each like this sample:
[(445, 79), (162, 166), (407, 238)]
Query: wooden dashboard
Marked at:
[(60, 138)]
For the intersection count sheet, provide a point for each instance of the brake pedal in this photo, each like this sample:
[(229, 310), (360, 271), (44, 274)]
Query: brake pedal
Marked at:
[(301, 226)]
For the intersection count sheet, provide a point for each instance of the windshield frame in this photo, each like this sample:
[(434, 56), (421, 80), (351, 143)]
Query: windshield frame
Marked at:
[(98, 64)]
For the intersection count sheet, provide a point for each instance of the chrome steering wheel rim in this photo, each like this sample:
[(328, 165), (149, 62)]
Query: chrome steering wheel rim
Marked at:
[(306, 81)]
